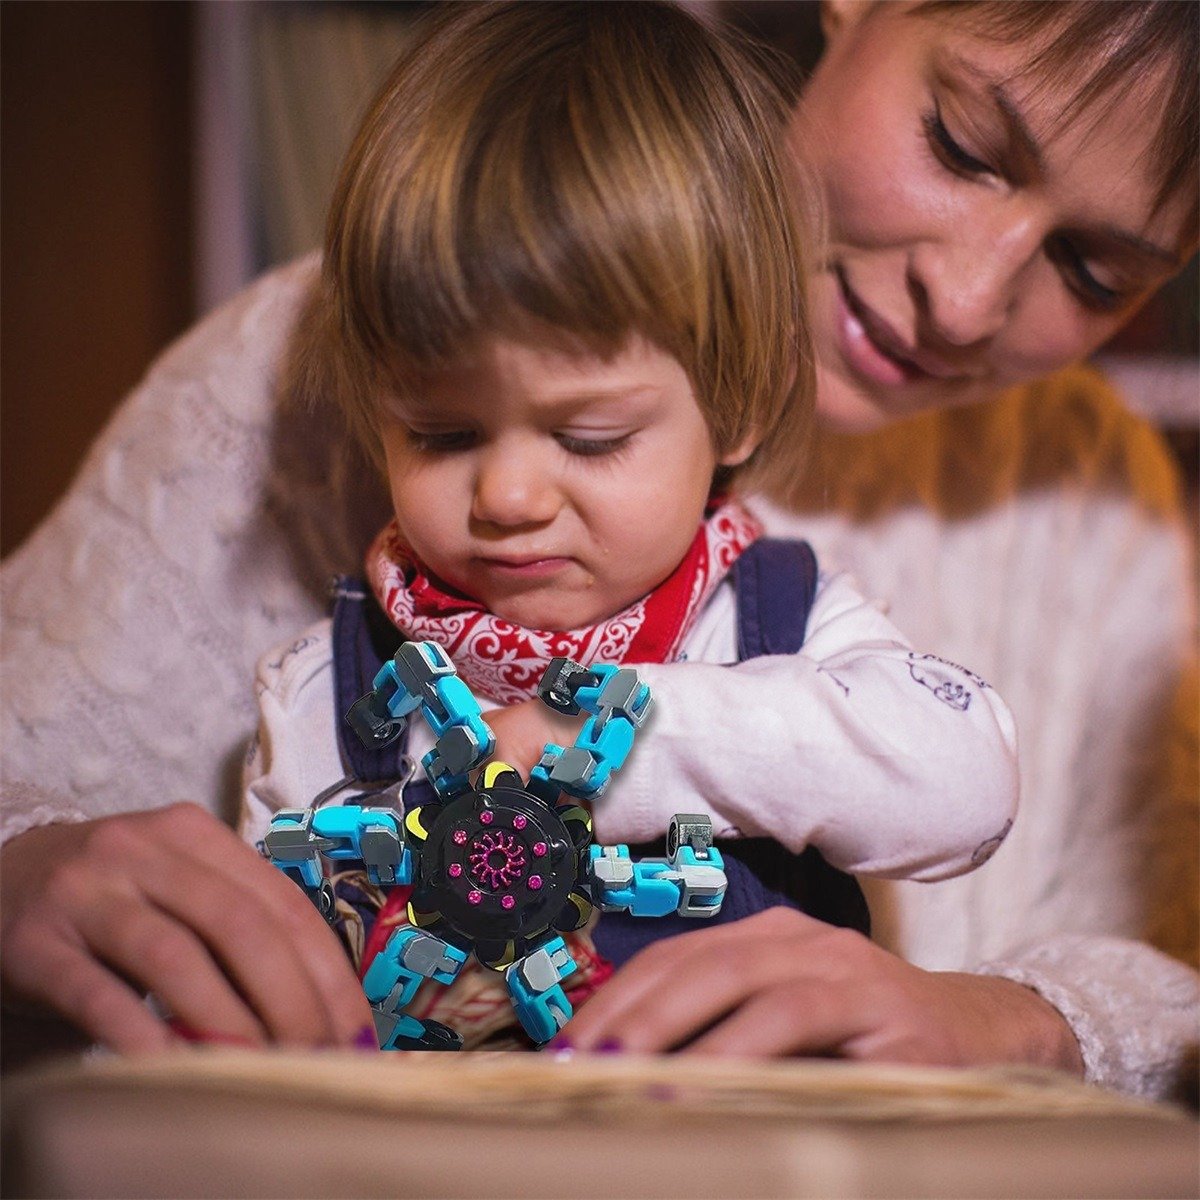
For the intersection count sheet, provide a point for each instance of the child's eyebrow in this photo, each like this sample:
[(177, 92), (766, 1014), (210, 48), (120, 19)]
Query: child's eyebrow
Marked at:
[(572, 401)]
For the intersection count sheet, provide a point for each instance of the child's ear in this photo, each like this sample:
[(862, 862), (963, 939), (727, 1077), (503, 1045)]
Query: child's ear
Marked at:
[(839, 15), (738, 453)]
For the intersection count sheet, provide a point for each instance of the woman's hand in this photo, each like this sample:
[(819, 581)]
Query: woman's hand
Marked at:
[(783, 983), (170, 902), (524, 728)]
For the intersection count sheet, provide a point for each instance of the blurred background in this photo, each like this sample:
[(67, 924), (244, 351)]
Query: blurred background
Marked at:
[(157, 156)]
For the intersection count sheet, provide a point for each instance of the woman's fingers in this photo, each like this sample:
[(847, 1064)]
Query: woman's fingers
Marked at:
[(174, 902), (68, 980), (776, 983), (625, 1004), (801, 1017), (146, 946), (267, 935), (672, 991)]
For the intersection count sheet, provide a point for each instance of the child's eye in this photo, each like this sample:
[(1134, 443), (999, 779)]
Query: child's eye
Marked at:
[(441, 442), (591, 447), (948, 151), (1067, 256)]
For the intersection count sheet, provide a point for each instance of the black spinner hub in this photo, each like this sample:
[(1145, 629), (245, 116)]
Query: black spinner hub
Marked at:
[(498, 865)]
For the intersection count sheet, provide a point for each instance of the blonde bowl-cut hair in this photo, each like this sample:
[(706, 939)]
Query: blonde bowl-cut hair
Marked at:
[(579, 171)]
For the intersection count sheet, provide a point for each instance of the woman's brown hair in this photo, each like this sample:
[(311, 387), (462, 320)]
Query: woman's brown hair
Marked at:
[(586, 171)]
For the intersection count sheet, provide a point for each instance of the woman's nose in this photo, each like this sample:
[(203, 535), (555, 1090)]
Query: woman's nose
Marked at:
[(514, 487), (966, 281)]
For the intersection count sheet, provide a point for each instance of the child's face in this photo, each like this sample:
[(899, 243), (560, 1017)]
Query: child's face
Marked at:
[(557, 488)]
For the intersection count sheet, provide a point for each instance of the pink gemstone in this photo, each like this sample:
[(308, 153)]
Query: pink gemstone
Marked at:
[(460, 836), (507, 902), (486, 816), (455, 870), (474, 897), (539, 849), (519, 822), (535, 882)]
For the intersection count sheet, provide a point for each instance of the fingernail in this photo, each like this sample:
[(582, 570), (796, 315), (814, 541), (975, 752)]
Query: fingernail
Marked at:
[(609, 1046), (366, 1038), (560, 1043)]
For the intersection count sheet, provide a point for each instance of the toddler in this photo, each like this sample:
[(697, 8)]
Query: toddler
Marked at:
[(562, 309)]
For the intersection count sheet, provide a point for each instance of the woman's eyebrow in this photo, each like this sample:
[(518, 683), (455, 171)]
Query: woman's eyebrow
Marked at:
[(1026, 144), (1019, 133), (984, 83), (1139, 245)]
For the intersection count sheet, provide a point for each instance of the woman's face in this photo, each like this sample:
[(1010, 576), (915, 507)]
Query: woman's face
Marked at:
[(973, 244)]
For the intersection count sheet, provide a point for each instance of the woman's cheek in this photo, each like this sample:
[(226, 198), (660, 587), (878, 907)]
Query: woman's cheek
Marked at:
[(1049, 335)]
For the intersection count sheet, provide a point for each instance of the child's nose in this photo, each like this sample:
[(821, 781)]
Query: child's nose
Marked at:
[(512, 489)]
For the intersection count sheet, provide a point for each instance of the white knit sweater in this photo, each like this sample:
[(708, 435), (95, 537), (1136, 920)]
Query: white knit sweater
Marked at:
[(1036, 539)]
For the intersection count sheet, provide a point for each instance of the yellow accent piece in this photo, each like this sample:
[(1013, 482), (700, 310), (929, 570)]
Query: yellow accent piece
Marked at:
[(575, 813), (492, 770), (421, 919), (505, 959), (584, 905), (412, 823)]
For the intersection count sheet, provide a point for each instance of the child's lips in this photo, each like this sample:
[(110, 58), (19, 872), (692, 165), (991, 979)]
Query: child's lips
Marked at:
[(526, 567)]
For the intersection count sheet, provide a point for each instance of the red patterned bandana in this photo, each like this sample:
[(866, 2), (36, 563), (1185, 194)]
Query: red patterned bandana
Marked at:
[(504, 662)]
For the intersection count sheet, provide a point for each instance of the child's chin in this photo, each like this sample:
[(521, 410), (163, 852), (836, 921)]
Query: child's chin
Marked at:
[(561, 615)]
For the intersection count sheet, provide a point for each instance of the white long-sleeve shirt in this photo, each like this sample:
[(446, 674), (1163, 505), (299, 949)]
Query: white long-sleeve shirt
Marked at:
[(1037, 538), (857, 744)]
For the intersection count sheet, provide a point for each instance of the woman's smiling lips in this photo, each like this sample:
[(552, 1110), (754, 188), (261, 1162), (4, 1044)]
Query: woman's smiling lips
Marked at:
[(874, 350)]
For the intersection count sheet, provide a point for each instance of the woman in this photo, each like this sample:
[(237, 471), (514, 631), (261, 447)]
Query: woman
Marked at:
[(996, 211)]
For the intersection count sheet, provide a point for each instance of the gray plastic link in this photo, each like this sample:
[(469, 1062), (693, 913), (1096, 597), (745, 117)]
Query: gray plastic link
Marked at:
[(381, 847), (385, 1022), (559, 682), (283, 841), (456, 752), (418, 676), (541, 970), (689, 829), (700, 881), (611, 870), (426, 954), (572, 767), (618, 695)]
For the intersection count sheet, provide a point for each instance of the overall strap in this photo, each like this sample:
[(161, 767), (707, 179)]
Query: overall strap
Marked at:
[(363, 640), (776, 582)]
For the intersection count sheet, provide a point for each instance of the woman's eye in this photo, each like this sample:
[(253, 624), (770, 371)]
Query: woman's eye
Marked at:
[(1066, 255), (591, 447), (958, 159), (441, 442)]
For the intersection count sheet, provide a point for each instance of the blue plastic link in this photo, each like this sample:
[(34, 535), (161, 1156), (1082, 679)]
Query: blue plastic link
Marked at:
[(397, 966), (685, 884), (421, 675), (534, 983), (617, 704), (297, 840), (410, 957)]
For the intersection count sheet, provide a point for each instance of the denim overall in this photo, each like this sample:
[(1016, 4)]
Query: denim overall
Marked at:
[(775, 581)]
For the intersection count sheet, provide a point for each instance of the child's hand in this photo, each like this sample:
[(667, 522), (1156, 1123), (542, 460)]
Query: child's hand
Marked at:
[(524, 728), (172, 902)]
